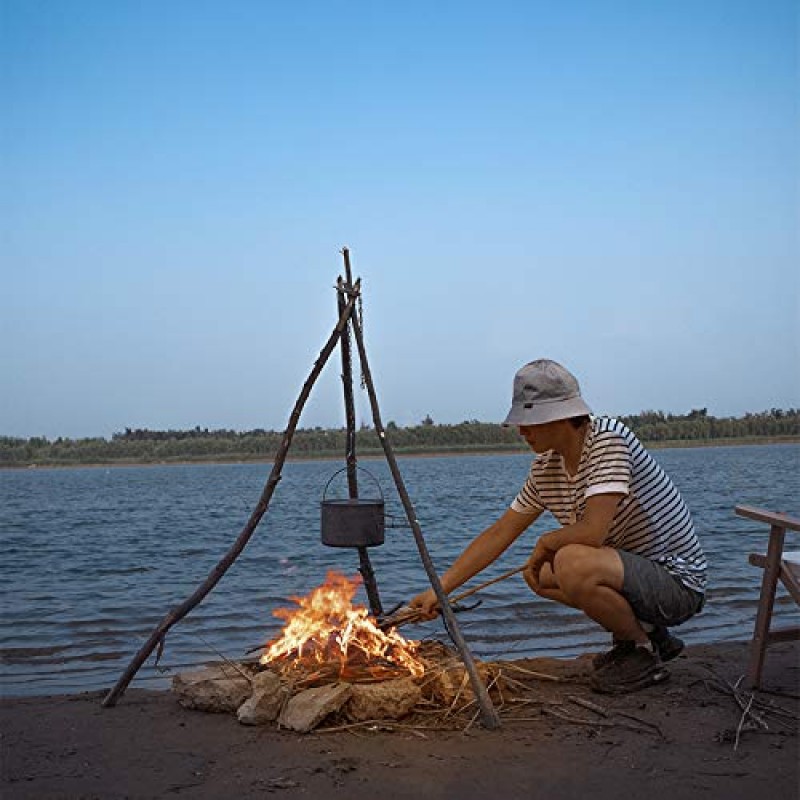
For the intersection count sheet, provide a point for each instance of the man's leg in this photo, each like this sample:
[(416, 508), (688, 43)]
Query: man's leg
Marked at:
[(590, 579)]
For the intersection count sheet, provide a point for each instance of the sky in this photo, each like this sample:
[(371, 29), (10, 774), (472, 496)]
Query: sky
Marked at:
[(612, 185)]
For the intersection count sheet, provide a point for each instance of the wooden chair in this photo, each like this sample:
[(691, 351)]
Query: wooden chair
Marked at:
[(776, 568)]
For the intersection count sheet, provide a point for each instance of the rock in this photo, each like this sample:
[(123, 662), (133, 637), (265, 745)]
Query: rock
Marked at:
[(266, 679), (218, 689), (308, 708), (266, 702), (386, 700)]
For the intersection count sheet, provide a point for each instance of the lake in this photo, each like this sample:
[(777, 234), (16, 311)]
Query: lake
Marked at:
[(95, 557)]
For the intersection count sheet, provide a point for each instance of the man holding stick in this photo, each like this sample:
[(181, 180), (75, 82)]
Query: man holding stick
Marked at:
[(626, 553)]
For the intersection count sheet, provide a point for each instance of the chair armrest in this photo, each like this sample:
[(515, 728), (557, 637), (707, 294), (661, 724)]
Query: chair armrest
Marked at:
[(770, 517)]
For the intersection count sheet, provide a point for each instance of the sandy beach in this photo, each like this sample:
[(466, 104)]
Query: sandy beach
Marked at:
[(149, 747)]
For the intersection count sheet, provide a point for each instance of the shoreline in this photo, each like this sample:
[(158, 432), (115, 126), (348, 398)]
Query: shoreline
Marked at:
[(672, 444), (67, 746)]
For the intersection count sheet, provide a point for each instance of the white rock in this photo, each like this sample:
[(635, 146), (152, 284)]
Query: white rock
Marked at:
[(217, 689), (266, 680), (386, 700), (308, 708), (266, 702)]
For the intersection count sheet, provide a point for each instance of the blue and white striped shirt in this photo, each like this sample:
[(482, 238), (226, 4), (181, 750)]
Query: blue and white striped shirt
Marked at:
[(652, 519)]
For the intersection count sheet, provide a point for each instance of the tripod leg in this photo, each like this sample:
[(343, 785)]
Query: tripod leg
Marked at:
[(370, 585), (488, 712), (219, 570)]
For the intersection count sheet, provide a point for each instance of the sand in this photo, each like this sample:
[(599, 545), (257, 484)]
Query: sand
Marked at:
[(149, 747)]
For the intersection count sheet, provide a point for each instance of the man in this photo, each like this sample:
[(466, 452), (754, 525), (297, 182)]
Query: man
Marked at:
[(626, 553)]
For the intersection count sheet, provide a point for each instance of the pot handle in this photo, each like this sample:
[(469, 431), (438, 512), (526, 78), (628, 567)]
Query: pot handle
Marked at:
[(340, 471)]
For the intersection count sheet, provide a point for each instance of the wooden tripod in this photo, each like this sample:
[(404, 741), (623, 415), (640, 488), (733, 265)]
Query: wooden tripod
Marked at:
[(348, 294)]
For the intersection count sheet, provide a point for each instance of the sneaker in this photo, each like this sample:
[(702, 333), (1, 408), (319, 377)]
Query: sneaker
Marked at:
[(618, 649), (631, 671), (668, 646)]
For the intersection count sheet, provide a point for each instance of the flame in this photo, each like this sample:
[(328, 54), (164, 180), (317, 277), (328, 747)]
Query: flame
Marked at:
[(327, 627)]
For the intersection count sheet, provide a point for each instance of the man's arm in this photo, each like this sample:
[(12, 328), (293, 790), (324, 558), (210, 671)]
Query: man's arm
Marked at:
[(592, 530), (481, 551)]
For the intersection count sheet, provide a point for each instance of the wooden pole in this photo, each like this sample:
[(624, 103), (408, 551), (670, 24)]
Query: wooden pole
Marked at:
[(489, 714), (347, 383), (365, 565), (178, 613)]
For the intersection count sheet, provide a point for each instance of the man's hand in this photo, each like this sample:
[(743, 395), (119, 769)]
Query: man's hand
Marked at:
[(542, 554), (426, 603)]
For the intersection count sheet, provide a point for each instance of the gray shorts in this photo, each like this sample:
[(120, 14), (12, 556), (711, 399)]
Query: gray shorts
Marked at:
[(655, 595)]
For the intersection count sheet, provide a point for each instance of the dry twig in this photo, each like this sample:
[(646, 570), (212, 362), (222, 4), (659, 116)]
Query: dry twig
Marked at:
[(471, 722), (580, 701), (597, 723), (542, 676), (741, 723), (230, 663), (606, 713)]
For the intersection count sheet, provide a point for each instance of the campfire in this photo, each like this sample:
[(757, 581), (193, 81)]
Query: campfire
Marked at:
[(331, 662), (327, 636)]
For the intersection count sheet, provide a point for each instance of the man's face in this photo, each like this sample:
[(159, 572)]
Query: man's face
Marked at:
[(541, 438)]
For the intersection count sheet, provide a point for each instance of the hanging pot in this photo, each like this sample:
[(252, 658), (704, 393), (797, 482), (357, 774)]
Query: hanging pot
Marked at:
[(352, 522)]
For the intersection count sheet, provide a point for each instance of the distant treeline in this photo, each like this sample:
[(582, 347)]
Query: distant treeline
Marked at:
[(137, 445)]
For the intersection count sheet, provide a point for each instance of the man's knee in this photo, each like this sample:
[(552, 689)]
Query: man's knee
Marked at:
[(573, 563), (580, 568)]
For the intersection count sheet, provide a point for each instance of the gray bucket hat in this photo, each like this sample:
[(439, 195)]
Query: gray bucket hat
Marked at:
[(544, 392)]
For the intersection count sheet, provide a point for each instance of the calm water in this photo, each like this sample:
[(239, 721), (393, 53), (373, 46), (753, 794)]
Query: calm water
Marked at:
[(94, 558)]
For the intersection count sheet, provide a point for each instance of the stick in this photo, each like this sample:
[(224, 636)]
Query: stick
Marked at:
[(542, 676), (588, 704), (221, 568), (459, 597), (518, 684), (644, 722), (489, 714), (576, 720), (385, 725), (604, 713), (412, 615), (231, 664), (471, 722), (741, 722), (595, 723)]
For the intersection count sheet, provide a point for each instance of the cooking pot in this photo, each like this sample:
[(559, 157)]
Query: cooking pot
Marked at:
[(354, 521)]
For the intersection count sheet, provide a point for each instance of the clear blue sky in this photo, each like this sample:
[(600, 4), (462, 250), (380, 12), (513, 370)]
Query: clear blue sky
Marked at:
[(613, 185)]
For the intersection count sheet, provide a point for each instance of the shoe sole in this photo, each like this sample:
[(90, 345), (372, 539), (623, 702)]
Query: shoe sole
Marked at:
[(668, 654), (651, 679)]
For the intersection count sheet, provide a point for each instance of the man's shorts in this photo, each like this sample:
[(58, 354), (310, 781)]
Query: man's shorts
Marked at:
[(655, 595)]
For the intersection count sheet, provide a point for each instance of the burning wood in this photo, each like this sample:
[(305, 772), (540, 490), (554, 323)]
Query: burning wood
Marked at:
[(328, 632)]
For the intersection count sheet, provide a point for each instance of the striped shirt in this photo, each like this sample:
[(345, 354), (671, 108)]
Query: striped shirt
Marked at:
[(651, 521)]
